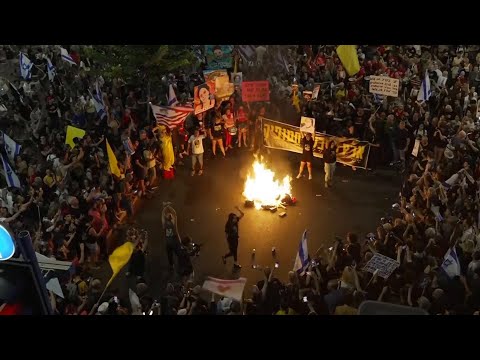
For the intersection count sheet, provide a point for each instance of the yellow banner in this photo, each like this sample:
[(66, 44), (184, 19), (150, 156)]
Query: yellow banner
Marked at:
[(277, 135)]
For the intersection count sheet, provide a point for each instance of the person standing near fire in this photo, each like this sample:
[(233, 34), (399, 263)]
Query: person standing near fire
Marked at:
[(230, 128), (231, 232), (242, 123), (330, 159), (307, 155), (196, 145)]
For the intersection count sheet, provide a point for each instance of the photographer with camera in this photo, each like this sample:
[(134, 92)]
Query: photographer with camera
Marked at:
[(186, 250)]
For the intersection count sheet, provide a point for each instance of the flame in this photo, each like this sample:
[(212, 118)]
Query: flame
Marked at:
[(262, 188)]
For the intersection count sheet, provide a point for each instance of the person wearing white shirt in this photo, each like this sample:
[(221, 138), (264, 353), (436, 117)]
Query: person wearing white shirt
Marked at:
[(196, 144)]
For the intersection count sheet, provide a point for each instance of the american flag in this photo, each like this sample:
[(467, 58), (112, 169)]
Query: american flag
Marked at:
[(171, 116)]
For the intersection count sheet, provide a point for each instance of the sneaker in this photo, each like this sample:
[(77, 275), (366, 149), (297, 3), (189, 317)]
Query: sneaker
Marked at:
[(200, 172), (309, 177), (224, 260), (299, 176), (192, 173), (237, 266)]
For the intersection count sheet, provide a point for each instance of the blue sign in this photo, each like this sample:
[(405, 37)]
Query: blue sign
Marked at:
[(7, 245)]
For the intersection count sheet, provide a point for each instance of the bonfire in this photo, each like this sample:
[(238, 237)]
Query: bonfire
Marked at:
[(263, 189)]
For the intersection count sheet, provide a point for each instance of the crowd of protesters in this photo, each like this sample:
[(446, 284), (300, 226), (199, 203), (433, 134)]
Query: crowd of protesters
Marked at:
[(70, 202)]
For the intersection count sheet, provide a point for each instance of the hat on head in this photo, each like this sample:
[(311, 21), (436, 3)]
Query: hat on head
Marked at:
[(102, 309), (448, 154)]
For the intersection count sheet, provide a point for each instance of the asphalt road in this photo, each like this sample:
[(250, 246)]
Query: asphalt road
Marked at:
[(356, 203)]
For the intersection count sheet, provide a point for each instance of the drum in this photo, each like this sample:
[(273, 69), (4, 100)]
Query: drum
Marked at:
[(233, 130)]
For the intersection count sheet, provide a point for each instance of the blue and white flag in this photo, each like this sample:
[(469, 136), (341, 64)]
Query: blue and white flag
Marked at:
[(10, 176), (172, 98), (11, 147), (451, 264), (302, 260), (52, 71), (377, 98), (66, 56), (25, 67), (98, 102), (425, 89)]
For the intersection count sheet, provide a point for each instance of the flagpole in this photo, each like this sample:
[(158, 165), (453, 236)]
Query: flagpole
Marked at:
[(104, 290), (148, 102)]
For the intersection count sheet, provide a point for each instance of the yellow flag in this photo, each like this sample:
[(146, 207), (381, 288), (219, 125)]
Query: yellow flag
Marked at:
[(112, 161), (120, 257), (349, 58), (72, 133)]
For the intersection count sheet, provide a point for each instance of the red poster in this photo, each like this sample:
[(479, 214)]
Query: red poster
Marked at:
[(255, 91)]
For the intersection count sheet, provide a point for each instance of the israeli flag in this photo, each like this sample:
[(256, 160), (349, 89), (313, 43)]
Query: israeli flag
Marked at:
[(10, 176), (302, 260), (98, 102), (377, 98), (11, 147), (52, 71), (66, 56), (451, 265), (425, 89), (172, 98), (25, 67)]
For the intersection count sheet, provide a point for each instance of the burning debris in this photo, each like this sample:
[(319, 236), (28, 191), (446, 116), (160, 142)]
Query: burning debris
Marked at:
[(264, 191)]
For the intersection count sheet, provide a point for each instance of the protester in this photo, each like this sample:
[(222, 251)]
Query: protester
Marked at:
[(81, 197), (232, 236)]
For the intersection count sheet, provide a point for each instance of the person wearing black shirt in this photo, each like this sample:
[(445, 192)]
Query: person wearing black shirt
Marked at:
[(184, 254), (169, 222), (231, 231), (307, 155), (139, 166), (440, 141), (330, 159), (401, 142), (216, 134)]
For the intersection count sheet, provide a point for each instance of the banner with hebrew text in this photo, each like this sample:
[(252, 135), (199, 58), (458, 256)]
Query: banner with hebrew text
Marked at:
[(277, 135)]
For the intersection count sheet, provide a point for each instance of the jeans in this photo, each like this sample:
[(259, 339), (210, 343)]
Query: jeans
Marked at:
[(195, 158), (232, 247), (329, 170)]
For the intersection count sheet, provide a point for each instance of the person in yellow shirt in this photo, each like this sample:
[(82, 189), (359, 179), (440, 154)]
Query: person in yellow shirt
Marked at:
[(49, 179), (285, 309), (351, 304), (295, 98), (341, 92), (168, 155)]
